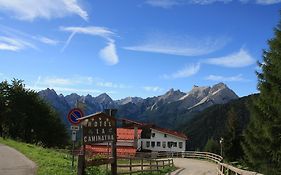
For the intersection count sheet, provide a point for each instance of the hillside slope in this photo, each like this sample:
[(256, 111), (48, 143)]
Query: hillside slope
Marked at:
[(212, 122)]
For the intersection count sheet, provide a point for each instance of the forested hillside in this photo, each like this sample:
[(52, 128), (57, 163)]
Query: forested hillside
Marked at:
[(223, 120)]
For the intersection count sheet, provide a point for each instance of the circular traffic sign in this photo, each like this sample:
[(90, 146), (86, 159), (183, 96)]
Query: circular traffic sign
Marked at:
[(74, 115)]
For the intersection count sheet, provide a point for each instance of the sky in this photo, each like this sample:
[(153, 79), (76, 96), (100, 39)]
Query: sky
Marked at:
[(134, 47)]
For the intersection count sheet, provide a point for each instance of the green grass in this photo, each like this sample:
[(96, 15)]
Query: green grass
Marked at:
[(58, 162), (48, 161)]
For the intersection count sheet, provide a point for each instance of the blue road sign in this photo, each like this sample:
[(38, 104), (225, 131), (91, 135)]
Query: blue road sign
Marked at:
[(74, 114)]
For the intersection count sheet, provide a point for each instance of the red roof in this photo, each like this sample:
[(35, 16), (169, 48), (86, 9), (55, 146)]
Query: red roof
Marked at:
[(168, 131), (127, 134)]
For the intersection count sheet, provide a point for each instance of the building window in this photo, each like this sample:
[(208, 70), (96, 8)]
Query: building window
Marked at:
[(153, 134), (165, 135), (180, 144), (158, 144), (152, 144), (175, 144), (147, 144), (170, 144), (164, 144)]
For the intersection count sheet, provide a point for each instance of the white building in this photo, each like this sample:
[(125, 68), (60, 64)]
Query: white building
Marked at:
[(157, 139), (163, 140)]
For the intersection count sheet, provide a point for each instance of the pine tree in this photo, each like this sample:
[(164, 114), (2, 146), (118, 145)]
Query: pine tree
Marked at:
[(262, 145), (212, 146), (232, 138)]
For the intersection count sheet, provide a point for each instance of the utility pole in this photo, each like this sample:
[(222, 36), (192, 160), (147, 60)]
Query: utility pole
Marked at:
[(221, 143)]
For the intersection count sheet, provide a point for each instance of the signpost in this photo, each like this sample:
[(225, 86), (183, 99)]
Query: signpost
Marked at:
[(73, 116), (74, 128), (98, 128), (73, 136)]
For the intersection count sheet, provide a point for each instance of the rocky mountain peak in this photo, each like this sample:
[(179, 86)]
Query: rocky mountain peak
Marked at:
[(126, 100), (172, 95), (219, 86), (103, 98)]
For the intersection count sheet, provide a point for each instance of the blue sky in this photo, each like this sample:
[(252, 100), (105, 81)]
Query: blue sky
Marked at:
[(132, 47)]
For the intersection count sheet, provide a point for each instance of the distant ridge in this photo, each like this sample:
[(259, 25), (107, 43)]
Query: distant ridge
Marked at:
[(165, 110)]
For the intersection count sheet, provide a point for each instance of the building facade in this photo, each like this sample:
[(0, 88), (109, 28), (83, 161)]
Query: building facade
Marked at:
[(163, 140)]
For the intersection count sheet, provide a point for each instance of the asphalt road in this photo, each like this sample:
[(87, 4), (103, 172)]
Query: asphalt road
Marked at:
[(13, 162), (193, 167)]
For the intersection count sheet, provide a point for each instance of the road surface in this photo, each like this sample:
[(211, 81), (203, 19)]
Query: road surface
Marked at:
[(13, 162), (194, 167)]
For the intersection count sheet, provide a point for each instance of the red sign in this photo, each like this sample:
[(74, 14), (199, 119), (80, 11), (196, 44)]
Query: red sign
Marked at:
[(74, 115)]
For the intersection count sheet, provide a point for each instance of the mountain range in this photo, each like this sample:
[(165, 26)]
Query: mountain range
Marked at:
[(167, 110)]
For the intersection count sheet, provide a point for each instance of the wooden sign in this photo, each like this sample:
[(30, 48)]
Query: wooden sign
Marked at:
[(99, 128)]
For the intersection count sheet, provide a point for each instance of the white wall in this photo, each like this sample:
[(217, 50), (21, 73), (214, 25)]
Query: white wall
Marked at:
[(160, 137)]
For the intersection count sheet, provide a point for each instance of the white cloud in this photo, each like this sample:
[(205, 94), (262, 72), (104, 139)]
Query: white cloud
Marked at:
[(184, 73), (171, 3), (76, 81), (65, 90), (180, 45), (46, 40), (68, 85), (112, 85), (23, 38), (32, 9), (220, 78), (162, 3), (237, 59), (108, 54), (68, 41), (59, 81), (90, 30), (267, 2), (14, 44), (206, 2), (152, 88)]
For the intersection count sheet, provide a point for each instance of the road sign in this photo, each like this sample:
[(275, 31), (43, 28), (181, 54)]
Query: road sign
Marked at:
[(74, 128), (73, 136), (73, 116)]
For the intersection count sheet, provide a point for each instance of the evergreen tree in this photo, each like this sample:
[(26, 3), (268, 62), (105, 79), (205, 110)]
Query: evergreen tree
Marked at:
[(262, 145), (25, 116), (232, 139), (212, 146)]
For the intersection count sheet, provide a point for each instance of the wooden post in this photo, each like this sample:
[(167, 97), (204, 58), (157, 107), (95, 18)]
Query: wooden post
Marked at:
[(130, 162), (81, 164), (81, 157), (157, 165), (135, 137), (142, 164), (150, 167), (163, 164), (112, 112)]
